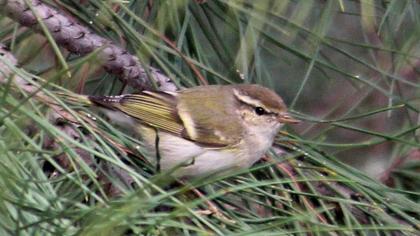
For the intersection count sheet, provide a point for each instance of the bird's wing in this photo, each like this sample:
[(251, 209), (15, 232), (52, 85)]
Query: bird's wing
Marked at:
[(155, 109), (201, 117), (217, 123)]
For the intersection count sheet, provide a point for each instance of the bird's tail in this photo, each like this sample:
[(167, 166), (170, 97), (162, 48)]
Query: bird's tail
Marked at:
[(76, 99)]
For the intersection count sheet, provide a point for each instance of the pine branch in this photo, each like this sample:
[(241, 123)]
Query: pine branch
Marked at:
[(63, 121), (78, 39), (293, 169)]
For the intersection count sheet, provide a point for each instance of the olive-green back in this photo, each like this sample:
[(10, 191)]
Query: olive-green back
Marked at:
[(211, 111)]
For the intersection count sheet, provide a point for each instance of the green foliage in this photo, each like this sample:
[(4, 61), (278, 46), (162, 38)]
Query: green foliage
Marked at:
[(348, 69)]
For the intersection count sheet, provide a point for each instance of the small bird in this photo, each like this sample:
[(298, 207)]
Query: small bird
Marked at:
[(203, 130)]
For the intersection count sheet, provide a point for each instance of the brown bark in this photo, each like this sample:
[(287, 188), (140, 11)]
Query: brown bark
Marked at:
[(80, 40)]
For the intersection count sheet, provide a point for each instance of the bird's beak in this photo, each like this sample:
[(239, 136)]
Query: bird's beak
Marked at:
[(287, 118)]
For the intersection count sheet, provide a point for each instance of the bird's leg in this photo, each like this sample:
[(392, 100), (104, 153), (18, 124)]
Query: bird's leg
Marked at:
[(157, 150)]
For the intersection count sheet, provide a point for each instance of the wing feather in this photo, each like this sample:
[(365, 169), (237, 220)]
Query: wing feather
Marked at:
[(216, 123), (165, 111), (156, 109)]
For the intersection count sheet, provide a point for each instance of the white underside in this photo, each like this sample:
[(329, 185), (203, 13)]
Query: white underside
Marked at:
[(184, 158)]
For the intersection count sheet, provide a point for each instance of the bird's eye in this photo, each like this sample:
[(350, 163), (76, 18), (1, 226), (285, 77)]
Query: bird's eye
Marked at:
[(260, 111)]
